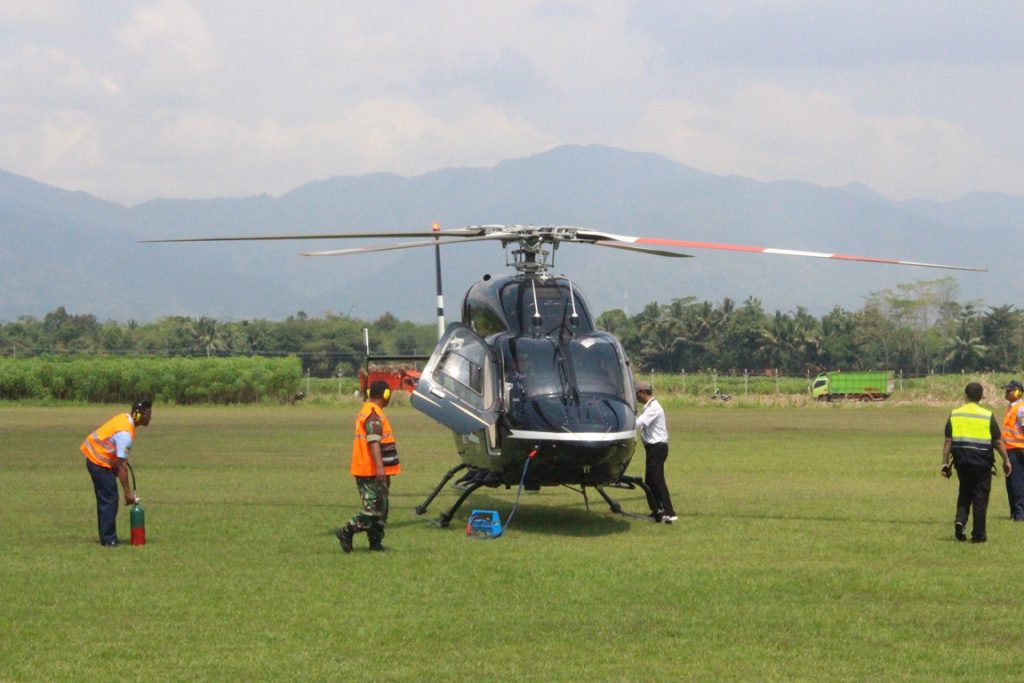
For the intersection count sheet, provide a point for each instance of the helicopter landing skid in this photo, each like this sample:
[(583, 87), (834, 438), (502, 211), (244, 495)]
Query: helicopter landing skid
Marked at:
[(623, 482), (421, 509), (466, 488), (446, 517)]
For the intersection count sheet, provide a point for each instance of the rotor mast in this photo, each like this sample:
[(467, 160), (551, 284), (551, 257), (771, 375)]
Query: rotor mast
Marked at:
[(530, 257)]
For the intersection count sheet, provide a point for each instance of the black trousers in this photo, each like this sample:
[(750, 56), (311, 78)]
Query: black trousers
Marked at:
[(975, 485), (104, 483), (1015, 484), (658, 499)]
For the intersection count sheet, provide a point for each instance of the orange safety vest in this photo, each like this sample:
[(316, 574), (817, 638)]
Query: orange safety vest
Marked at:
[(362, 460), (99, 446), (1013, 435)]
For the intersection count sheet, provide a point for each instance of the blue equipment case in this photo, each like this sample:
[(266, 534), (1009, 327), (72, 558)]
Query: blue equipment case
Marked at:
[(484, 524)]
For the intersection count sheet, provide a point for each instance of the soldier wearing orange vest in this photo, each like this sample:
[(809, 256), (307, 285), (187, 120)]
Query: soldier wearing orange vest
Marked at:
[(1013, 438), (106, 453), (374, 460)]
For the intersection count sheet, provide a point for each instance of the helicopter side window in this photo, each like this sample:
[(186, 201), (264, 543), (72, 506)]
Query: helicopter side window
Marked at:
[(484, 320), (459, 374), (461, 370)]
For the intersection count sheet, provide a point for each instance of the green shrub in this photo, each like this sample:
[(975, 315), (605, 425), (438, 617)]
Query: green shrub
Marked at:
[(167, 380)]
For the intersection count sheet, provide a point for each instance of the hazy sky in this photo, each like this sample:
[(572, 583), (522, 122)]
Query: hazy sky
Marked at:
[(131, 100)]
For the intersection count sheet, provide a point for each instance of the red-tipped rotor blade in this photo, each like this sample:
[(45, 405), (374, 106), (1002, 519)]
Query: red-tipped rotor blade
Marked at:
[(664, 242), (643, 250)]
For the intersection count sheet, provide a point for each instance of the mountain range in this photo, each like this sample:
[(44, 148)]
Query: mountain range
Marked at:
[(64, 248)]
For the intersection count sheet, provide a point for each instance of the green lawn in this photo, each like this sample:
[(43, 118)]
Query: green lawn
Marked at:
[(814, 543)]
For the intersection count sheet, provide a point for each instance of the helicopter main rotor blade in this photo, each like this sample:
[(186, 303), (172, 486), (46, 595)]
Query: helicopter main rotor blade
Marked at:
[(643, 250), (456, 232), (660, 241), (404, 245), (537, 235)]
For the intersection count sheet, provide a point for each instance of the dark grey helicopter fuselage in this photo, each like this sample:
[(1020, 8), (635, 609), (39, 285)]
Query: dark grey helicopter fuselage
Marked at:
[(564, 389)]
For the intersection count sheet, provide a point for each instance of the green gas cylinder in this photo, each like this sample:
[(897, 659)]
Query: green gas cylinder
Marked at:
[(138, 516)]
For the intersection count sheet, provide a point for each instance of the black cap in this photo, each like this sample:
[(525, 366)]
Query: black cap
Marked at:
[(1014, 384), (142, 405)]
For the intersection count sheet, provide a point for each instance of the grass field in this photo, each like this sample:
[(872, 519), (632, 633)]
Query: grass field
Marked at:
[(814, 543)]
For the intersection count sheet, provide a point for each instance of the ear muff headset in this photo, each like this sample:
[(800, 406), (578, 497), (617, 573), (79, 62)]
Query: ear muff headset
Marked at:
[(1016, 393), (387, 394), (139, 407)]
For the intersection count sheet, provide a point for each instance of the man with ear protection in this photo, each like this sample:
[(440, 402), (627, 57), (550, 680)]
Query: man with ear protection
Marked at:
[(106, 453), (374, 460), (1013, 438)]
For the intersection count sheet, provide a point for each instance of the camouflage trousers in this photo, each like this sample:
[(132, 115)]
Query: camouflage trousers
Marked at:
[(373, 516)]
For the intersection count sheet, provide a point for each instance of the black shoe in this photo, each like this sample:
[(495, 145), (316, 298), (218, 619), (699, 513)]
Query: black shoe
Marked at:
[(112, 544), (958, 531), (344, 535), (982, 539), (376, 546)]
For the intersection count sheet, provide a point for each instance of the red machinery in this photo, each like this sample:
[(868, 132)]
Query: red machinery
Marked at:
[(397, 377)]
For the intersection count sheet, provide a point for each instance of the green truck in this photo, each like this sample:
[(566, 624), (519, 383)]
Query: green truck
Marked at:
[(860, 386)]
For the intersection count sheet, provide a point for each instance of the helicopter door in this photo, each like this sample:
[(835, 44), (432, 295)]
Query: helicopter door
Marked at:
[(459, 385)]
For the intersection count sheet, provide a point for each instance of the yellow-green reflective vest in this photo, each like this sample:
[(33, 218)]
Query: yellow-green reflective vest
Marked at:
[(972, 435)]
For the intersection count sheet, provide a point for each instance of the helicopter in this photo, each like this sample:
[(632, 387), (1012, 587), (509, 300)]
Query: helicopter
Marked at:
[(532, 391)]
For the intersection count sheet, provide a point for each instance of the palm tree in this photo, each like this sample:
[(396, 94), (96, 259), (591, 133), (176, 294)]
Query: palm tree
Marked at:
[(665, 331), (209, 336), (964, 350), (1002, 331)]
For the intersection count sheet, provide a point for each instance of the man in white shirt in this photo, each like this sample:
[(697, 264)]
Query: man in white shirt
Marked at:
[(654, 434)]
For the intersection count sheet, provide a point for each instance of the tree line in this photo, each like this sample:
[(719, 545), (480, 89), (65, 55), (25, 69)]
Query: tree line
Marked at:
[(324, 345), (918, 328)]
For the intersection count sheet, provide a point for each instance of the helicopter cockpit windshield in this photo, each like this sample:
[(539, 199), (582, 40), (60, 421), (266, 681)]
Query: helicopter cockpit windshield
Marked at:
[(599, 370), (579, 383), (588, 365)]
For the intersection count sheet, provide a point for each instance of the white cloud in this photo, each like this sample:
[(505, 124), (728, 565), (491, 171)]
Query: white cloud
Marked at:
[(178, 97), (64, 150), (170, 32), (24, 14), (201, 154), (769, 131), (50, 76)]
